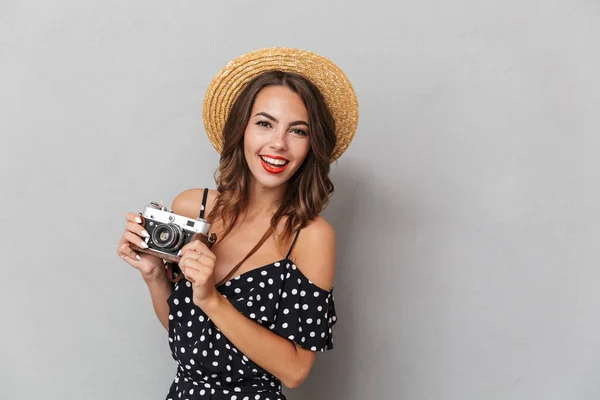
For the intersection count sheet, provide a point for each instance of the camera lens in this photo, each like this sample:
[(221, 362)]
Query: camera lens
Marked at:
[(167, 236)]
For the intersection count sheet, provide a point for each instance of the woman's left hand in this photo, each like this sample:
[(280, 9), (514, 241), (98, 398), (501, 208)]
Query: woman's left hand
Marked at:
[(197, 264)]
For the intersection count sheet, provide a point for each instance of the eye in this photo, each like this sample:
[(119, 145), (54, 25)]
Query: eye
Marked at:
[(299, 132), (264, 124)]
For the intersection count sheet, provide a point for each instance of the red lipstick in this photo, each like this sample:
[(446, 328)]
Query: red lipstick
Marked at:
[(273, 169)]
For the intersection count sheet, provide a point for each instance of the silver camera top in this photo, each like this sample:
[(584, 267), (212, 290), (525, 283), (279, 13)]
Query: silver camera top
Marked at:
[(156, 205), (163, 215)]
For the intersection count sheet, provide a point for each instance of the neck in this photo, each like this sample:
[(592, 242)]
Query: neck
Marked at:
[(263, 201)]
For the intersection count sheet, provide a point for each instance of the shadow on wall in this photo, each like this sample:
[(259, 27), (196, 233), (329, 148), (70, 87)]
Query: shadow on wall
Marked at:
[(334, 373)]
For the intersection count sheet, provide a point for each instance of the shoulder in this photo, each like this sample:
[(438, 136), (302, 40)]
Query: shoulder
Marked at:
[(188, 202), (314, 252)]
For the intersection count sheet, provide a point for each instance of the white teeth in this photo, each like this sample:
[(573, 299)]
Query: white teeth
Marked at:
[(274, 161)]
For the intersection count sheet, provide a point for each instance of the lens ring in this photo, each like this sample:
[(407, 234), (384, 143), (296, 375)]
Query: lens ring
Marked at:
[(167, 236)]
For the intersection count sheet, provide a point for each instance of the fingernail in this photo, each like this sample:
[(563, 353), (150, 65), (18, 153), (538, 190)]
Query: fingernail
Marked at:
[(144, 245), (138, 257), (123, 256), (138, 220), (144, 233), (178, 253)]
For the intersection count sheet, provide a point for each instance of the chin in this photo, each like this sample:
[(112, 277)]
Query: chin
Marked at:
[(269, 182)]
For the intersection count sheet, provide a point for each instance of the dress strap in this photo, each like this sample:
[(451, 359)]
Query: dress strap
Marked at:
[(203, 207), (238, 265), (293, 243)]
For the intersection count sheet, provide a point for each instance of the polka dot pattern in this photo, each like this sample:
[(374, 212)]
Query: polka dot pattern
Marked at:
[(277, 296)]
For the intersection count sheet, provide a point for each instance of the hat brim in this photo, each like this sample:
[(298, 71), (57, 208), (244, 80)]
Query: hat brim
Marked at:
[(327, 76)]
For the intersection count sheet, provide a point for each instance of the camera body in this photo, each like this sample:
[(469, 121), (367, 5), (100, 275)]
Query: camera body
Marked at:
[(169, 232)]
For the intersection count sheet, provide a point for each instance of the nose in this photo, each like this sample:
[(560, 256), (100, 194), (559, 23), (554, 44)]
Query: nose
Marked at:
[(279, 140)]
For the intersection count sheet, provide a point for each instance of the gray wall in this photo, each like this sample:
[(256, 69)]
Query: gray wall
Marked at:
[(466, 208)]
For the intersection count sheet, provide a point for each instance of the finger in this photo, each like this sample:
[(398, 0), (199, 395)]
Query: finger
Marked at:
[(199, 247), (195, 261), (131, 217), (202, 260), (194, 245), (198, 256), (186, 270), (206, 257), (186, 262), (204, 266), (135, 239), (190, 275), (193, 275), (131, 260), (125, 252), (137, 229), (121, 250)]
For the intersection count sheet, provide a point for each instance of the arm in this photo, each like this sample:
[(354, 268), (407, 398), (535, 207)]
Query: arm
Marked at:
[(278, 355), (160, 290), (150, 266), (187, 204), (281, 357)]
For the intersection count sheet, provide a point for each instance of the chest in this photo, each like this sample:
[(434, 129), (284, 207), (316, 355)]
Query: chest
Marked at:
[(233, 248)]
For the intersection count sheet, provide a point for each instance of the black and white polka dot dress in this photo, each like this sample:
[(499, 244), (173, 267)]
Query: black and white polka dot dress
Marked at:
[(277, 296)]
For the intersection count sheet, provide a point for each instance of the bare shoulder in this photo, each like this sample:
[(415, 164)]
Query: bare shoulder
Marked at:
[(188, 202), (314, 252)]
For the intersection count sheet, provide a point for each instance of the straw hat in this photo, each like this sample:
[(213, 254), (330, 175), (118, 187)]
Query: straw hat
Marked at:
[(328, 77)]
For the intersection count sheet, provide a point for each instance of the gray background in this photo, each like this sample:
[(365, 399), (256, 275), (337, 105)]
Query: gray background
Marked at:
[(466, 208)]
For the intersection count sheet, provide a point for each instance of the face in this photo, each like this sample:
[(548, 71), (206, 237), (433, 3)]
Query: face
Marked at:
[(276, 139)]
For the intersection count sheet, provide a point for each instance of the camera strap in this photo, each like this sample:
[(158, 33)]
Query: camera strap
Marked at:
[(238, 265)]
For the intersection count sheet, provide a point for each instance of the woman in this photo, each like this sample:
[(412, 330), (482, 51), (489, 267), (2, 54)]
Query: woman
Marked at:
[(254, 309)]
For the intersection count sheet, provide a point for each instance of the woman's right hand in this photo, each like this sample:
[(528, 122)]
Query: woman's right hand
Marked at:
[(149, 265)]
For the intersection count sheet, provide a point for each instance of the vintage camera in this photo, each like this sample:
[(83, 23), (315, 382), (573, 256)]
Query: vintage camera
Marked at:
[(169, 232)]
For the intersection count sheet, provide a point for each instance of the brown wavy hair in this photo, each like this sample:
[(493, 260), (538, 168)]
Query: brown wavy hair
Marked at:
[(308, 189)]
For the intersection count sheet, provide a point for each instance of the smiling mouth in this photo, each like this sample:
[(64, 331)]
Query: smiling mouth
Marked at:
[(273, 165), (275, 162)]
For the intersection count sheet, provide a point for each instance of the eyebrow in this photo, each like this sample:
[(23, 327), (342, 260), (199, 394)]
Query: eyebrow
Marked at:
[(272, 118)]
